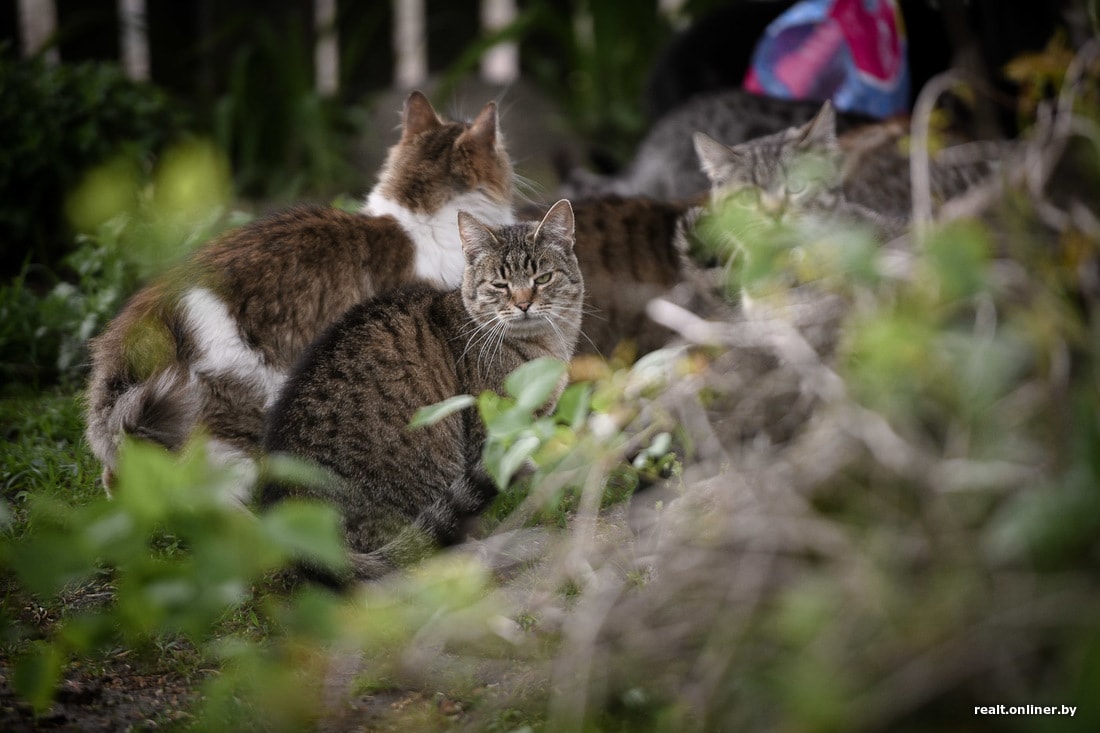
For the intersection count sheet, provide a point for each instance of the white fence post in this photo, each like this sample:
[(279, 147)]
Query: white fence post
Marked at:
[(410, 43), (134, 39), (500, 64), (326, 54), (37, 24)]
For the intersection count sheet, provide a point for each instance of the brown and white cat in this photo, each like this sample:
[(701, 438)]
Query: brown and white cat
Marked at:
[(208, 345), (347, 406)]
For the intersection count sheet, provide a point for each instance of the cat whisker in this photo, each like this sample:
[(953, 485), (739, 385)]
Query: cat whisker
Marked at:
[(490, 350), (527, 190), (566, 347), (479, 333), (491, 341), (584, 309), (497, 354)]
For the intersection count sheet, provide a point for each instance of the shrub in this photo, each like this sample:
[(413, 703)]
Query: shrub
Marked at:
[(134, 226), (59, 121)]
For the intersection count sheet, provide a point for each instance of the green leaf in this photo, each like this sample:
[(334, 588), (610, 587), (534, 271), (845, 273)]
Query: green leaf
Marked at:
[(307, 530), (48, 560), (432, 414), (534, 382), (288, 469), (514, 458), (958, 260), (573, 405), (36, 675), (502, 417)]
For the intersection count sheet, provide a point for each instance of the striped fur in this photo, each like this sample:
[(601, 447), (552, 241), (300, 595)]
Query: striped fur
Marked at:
[(209, 343), (347, 406)]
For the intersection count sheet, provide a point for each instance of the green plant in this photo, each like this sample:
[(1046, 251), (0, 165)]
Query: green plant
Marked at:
[(59, 121), (42, 453), (546, 463), (584, 60), (131, 228), (284, 140), (215, 554)]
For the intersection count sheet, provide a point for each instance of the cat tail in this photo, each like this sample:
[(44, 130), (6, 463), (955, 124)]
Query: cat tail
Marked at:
[(162, 409), (440, 523)]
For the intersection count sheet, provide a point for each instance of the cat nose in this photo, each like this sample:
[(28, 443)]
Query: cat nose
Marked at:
[(523, 298)]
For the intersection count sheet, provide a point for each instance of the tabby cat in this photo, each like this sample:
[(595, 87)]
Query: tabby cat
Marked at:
[(631, 250), (665, 166), (209, 344), (861, 176), (347, 406)]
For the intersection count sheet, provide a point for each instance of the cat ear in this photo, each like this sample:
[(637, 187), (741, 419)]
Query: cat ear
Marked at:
[(484, 127), (820, 132), (558, 224), (419, 116), (477, 239), (717, 160)]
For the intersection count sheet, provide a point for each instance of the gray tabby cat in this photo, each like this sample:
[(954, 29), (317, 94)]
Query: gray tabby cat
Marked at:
[(347, 406), (208, 345), (861, 176), (665, 166), (793, 172)]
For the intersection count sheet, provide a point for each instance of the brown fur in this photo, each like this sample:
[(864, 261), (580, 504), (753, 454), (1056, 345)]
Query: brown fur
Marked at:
[(631, 250), (877, 174), (293, 254), (280, 281), (347, 406), (412, 178)]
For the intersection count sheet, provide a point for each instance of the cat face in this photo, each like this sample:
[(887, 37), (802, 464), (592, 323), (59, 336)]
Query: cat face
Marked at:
[(796, 170), (523, 279), (436, 161)]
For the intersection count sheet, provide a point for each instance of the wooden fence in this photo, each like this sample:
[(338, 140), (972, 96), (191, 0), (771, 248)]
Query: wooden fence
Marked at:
[(39, 21)]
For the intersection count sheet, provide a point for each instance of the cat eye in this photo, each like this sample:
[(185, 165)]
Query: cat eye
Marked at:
[(500, 285), (543, 278)]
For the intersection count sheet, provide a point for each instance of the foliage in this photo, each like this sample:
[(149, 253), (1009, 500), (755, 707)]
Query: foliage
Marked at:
[(131, 227), (184, 558), (42, 453), (210, 555), (59, 121), (592, 71), (283, 139), (539, 460)]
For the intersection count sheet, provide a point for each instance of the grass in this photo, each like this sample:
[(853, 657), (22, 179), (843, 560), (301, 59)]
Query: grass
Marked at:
[(43, 452)]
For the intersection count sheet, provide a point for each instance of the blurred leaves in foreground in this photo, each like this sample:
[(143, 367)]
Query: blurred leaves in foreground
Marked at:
[(130, 225)]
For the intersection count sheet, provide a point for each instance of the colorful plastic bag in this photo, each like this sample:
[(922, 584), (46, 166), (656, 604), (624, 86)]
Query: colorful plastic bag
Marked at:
[(849, 51)]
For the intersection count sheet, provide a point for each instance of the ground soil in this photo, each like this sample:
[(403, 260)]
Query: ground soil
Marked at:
[(112, 696)]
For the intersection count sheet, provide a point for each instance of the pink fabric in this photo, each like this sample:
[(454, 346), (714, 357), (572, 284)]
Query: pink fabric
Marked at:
[(850, 51)]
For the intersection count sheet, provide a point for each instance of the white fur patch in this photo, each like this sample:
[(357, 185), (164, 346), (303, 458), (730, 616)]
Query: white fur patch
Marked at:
[(239, 473), (438, 246), (221, 350)]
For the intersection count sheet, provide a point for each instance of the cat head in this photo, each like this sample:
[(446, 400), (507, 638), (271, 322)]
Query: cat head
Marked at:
[(523, 277), (437, 160), (793, 170)]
